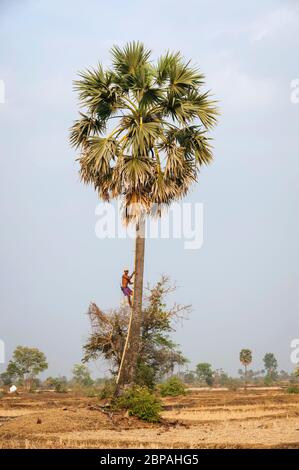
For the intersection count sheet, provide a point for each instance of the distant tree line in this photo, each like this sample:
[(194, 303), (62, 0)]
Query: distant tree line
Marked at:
[(203, 374)]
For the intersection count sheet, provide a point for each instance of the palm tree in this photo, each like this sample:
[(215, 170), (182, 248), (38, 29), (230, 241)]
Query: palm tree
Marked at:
[(143, 138), (245, 359)]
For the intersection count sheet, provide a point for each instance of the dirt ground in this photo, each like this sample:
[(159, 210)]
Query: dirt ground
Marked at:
[(201, 419)]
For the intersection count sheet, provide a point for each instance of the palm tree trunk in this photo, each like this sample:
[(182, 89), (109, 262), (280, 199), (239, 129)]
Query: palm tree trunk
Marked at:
[(127, 368)]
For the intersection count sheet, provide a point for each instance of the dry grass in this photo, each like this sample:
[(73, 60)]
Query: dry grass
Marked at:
[(222, 419)]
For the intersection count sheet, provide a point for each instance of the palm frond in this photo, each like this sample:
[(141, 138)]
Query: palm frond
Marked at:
[(97, 92), (128, 59), (95, 160), (140, 134), (174, 162), (90, 85), (134, 173), (150, 97), (165, 63), (195, 142), (183, 77), (83, 128), (162, 190), (202, 106)]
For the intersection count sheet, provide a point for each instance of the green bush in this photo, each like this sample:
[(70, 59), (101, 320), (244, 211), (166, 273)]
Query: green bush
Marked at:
[(60, 387), (59, 384), (293, 389), (107, 390), (140, 402), (268, 381), (172, 387), (145, 376)]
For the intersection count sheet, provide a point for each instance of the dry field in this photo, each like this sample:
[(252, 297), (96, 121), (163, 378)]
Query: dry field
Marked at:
[(201, 419)]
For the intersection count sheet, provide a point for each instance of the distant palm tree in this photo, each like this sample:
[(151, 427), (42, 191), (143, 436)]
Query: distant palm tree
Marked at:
[(245, 359), (143, 138)]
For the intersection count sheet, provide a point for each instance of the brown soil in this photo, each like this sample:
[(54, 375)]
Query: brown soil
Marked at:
[(201, 419)]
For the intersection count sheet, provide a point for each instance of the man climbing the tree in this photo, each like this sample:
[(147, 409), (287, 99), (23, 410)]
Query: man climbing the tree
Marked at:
[(125, 281)]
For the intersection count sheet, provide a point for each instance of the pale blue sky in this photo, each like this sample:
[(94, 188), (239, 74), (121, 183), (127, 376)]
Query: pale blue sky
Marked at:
[(243, 282)]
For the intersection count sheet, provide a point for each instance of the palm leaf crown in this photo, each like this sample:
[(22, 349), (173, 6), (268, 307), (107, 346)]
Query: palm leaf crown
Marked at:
[(246, 356), (143, 132)]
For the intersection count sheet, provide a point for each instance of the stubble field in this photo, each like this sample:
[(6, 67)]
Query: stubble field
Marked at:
[(201, 419)]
